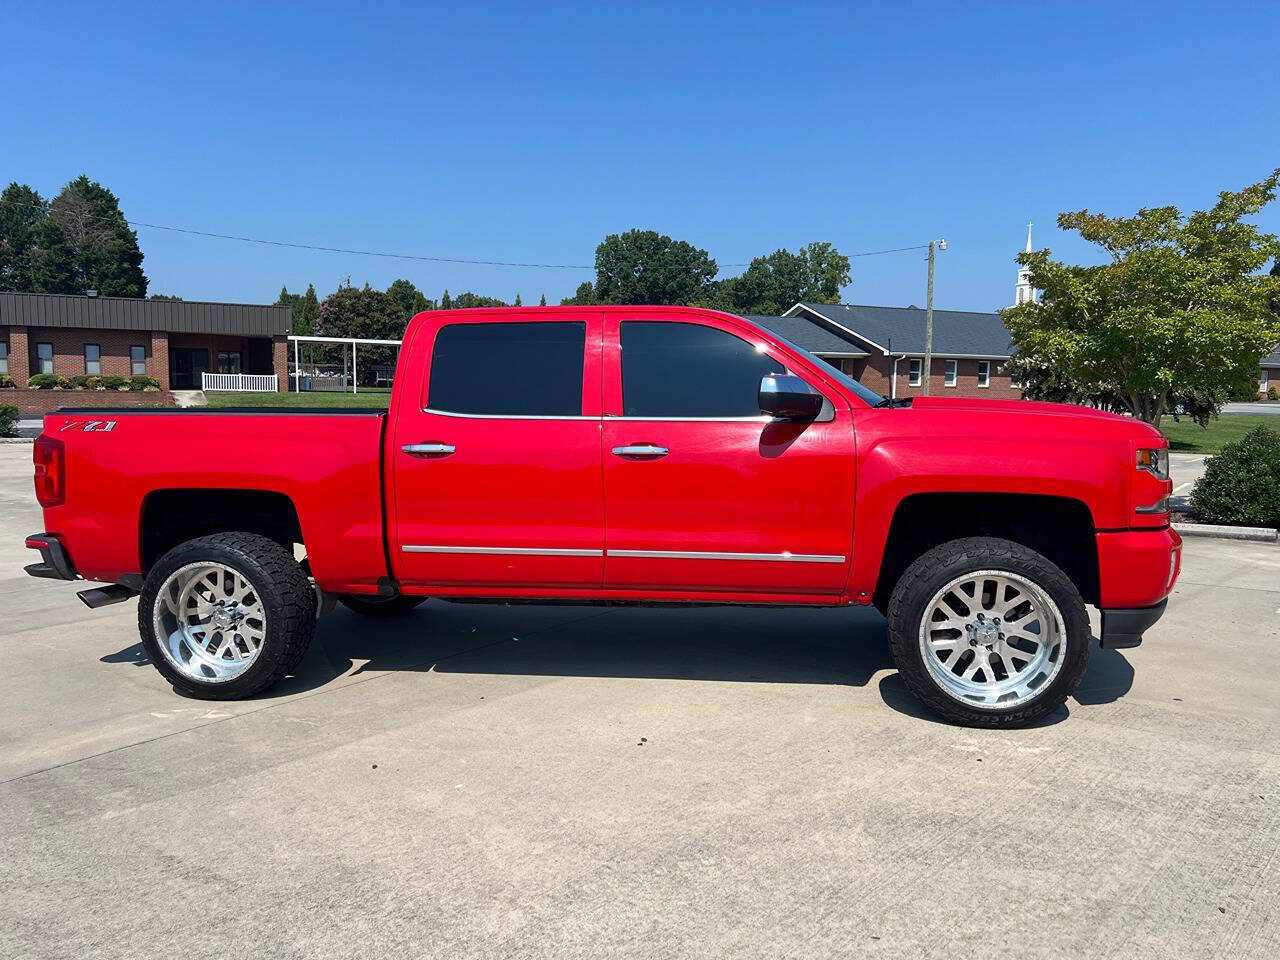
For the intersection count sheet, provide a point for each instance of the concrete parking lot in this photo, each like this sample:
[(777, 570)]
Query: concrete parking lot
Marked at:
[(579, 782)]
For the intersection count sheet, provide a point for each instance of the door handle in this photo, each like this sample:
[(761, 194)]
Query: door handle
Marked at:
[(643, 451), (428, 449)]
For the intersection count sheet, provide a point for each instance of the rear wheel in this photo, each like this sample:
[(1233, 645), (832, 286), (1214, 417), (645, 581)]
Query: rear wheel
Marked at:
[(225, 616), (380, 606), (988, 633)]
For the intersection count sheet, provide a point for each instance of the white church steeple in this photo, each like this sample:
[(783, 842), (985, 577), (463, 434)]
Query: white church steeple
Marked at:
[(1025, 292)]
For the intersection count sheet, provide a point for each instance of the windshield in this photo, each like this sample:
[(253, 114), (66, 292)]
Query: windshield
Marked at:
[(865, 394)]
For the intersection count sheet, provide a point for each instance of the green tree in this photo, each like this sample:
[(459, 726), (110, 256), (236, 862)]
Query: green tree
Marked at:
[(22, 210), (34, 257), (365, 313), (543, 301), (446, 302), (469, 300), (584, 296), (517, 303), (776, 282), (305, 309), (1178, 308), (412, 300), (163, 296), (644, 266), (104, 251)]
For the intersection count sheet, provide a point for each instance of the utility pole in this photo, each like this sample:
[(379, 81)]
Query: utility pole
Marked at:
[(928, 319)]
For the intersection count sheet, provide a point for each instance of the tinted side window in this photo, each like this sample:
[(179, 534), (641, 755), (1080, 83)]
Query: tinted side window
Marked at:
[(508, 369), (688, 370)]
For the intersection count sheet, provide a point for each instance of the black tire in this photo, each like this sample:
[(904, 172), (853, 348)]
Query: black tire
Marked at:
[(286, 595), (395, 606), (938, 567)]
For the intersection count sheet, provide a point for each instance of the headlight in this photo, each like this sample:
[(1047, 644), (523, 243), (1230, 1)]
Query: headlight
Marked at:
[(1155, 462)]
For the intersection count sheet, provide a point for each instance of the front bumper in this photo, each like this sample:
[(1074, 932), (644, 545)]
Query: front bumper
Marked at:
[(1137, 568), (54, 563), (1124, 628)]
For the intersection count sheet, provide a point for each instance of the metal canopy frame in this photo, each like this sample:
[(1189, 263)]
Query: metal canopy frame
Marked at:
[(355, 380)]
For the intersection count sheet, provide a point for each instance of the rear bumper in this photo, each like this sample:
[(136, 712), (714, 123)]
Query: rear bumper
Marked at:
[(54, 563), (1124, 628)]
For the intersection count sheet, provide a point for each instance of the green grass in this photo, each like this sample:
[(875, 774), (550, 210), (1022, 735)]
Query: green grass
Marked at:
[(367, 397), (1187, 437)]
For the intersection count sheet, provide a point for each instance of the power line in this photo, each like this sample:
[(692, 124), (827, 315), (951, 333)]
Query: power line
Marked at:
[(398, 256)]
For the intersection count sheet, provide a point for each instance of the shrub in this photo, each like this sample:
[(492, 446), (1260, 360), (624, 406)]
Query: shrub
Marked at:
[(115, 383), (144, 383), (80, 381), (1273, 394), (1241, 485), (8, 417), (5, 381), (48, 381)]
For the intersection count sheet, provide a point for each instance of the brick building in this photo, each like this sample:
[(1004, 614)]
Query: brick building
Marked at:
[(174, 341), (883, 347), (1270, 375)]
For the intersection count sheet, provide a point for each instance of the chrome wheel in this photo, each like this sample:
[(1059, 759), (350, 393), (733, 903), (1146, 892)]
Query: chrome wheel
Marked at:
[(992, 639), (209, 622)]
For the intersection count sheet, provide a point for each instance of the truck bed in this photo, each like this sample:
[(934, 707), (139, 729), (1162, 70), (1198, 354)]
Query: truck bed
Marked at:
[(326, 461)]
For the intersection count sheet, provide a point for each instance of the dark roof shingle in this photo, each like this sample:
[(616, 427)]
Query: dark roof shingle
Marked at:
[(901, 329), (812, 336)]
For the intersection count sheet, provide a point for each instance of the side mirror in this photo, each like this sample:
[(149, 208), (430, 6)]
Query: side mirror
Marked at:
[(789, 398)]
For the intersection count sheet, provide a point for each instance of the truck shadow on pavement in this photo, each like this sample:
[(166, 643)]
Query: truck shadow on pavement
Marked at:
[(841, 646)]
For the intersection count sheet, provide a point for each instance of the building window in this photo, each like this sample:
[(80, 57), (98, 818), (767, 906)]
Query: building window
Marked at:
[(44, 358), (949, 378), (913, 373), (228, 361), (1014, 382), (984, 373), (508, 369), (4, 357), (1262, 381), (138, 361), (93, 360)]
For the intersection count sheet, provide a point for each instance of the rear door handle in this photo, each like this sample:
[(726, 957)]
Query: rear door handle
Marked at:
[(643, 451), (428, 449)]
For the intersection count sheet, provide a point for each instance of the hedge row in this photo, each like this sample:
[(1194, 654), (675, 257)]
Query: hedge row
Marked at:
[(52, 381)]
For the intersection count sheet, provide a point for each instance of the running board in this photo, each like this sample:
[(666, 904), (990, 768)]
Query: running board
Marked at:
[(105, 596)]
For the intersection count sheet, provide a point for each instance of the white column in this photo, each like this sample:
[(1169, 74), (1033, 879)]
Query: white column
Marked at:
[(355, 377), (296, 368)]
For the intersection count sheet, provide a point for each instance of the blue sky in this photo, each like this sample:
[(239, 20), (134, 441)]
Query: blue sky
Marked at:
[(529, 131)]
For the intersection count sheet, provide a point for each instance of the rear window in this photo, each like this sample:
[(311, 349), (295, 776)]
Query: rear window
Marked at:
[(508, 369)]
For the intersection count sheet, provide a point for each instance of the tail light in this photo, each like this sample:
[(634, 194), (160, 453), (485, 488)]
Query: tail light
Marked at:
[(51, 471)]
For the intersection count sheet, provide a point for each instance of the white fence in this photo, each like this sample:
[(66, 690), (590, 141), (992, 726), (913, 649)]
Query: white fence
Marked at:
[(243, 382)]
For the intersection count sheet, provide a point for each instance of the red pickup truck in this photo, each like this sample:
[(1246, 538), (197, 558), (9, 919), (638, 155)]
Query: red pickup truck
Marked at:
[(622, 454)]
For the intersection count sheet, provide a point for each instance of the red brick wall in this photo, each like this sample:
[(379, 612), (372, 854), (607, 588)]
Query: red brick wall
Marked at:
[(39, 402), (68, 349), (16, 337), (280, 360), (875, 372), (158, 358)]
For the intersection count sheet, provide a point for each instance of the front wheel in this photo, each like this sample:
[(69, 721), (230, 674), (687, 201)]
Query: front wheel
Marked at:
[(225, 616), (988, 633)]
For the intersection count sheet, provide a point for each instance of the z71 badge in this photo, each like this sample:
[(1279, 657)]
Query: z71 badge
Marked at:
[(89, 426)]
